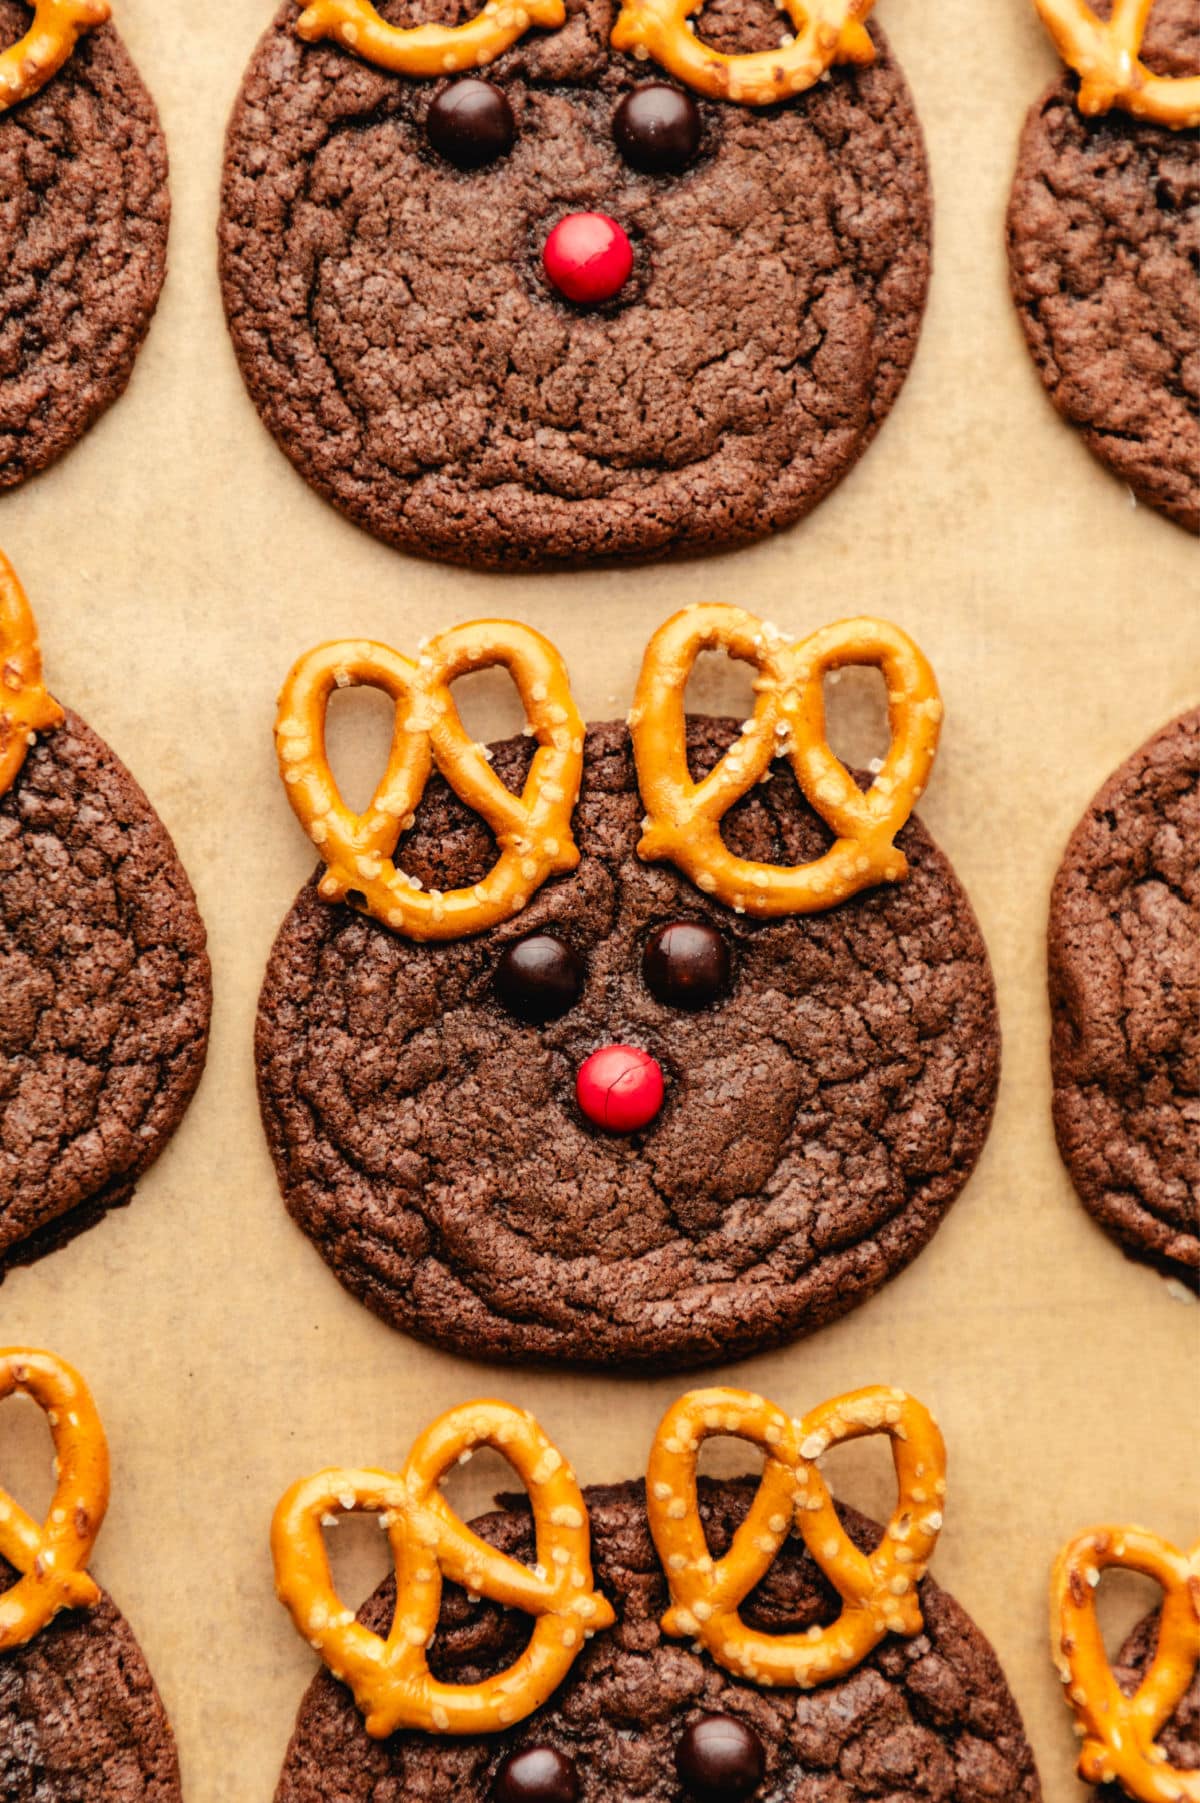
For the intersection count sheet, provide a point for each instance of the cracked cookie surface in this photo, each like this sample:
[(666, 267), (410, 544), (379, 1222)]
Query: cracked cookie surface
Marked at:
[(931, 1719), (397, 335), (1125, 998), (1104, 251), (818, 1121), (105, 991), (84, 214)]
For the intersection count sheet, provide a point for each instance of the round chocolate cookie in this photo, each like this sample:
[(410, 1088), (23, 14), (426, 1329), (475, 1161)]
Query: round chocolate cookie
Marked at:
[(1125, 997), (826, 1097), (80, 1718), (1103, 243), (931, 1716), (398, 334), (83, 245), (105, 991), (1180, 1739)]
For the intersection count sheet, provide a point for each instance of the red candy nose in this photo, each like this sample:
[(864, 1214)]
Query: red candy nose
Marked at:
[(587, 258), (620, 1088)]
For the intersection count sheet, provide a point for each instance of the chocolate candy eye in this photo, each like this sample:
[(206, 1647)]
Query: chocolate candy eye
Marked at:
[(537, 1775), (471, 123), (719, 1760), (539, 978), (657, 129), (686, 964)]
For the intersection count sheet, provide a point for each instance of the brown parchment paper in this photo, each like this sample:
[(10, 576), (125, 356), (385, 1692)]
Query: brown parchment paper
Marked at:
[(177, 565)]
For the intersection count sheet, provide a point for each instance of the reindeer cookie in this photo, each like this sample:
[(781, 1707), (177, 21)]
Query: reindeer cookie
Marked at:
[(105, 990), (80, 1718), (721, 1642), (604, 1065), (83, 228), (569, 282), (1103, 238)]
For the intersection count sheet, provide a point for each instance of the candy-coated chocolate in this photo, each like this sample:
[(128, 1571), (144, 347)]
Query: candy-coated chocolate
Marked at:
[(539, 978), (657, 129), (686, 964), (537, 1775), (471, 123), (620, 1088), (587, 258), (719, 1760)]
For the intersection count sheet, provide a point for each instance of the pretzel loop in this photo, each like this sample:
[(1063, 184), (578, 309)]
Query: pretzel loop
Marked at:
[(427, 49), (826, 32), (878, 1591), (25, 706), (532, 830), (1119, 1732), (1104, 54), (58, 25), (390, 1678), (683, 817), (52, 1557)]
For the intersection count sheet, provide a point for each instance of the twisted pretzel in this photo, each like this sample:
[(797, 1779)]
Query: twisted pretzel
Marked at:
[(879, 1591), (826, 32), (1119, 1731), (25, 707), (683, 817), (58, 25), (52, 1557), (391, 1680), (1104, 54), (532, 830), (427, 49)]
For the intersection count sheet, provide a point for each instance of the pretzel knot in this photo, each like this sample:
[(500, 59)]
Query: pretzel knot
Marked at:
[(427, 49), (683, 817), (878, 1591), (25, 707), (826, 32), (52, 1557), (532, 830), (1118, 1731), (390, 1678), (58, 25), (1104, 54)]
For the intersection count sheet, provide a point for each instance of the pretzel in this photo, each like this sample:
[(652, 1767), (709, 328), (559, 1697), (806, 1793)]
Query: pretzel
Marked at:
[(878, 1591), (58, 25), (52, 1557), (427, 49), (532, 830), (1104, 54), (391, 1680), (683, 817), (826, 32), (1119, 1731), (25, 707)]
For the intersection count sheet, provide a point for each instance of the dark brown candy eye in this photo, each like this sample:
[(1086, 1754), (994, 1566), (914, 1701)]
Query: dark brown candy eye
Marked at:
[(686, 965), (471, 123), (719, 1760), (657, 129), (539, 978), (537, 1775)]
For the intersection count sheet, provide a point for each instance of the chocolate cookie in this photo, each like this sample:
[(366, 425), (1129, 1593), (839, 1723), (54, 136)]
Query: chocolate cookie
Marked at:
[(83, 244), (1103, 241), (80, 1718), (105, 991), (1125, 996), (933, 1711), (1180, 1739), (827, 1095), (399, 336)]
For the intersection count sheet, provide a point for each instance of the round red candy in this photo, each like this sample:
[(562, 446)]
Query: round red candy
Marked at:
[(620, 1088), (587, 258)]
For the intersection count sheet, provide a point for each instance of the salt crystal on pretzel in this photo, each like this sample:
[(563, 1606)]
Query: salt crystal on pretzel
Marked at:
[(1105, 55), (25, 707), (27, 65), (428, 50)]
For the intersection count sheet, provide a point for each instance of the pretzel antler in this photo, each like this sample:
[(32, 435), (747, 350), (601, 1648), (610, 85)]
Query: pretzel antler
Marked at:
[(58, 25), (25, 707), (1104, 54), (52, 1557), (1119, 1732), (826, 32), (532, 830), (683, 824), (879, 1590), (427, 49), (390, 1678)]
